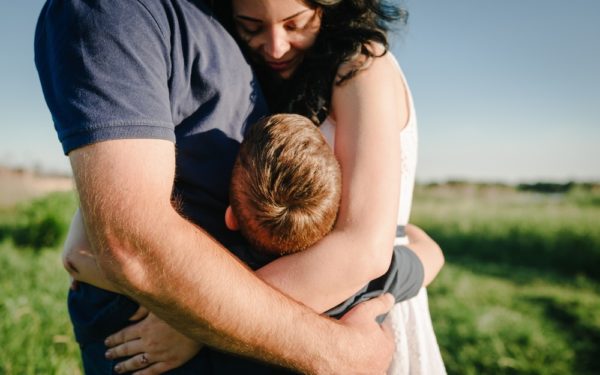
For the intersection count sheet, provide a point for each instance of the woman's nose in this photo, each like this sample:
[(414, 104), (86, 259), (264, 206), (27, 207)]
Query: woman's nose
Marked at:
[(277, 43)]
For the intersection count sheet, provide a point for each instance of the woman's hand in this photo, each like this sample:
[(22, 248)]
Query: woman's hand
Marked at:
[(153, 345)]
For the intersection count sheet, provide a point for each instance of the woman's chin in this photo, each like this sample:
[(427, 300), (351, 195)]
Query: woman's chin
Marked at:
[(283, 72), (286, 74)]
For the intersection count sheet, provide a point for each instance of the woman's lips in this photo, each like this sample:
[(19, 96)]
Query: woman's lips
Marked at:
[(280, 65)]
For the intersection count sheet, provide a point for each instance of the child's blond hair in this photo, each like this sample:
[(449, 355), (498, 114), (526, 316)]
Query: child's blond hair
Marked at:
[(286, 185)]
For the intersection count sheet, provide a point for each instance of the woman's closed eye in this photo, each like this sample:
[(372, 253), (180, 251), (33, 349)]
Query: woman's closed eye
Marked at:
[(301, 22), (291, 26), (249, 28)]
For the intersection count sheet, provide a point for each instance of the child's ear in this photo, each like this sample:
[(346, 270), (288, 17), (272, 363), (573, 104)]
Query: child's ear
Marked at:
[(230, 220)]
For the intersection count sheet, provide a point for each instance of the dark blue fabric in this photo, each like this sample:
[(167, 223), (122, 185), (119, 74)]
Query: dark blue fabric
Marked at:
[(162, 69), (151, 69), (97, 313)]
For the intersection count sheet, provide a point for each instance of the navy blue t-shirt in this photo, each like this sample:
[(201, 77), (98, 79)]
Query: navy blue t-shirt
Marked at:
[(151, 69), (148, 69)]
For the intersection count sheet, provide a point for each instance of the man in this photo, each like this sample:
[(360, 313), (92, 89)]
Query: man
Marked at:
[(144, 93)]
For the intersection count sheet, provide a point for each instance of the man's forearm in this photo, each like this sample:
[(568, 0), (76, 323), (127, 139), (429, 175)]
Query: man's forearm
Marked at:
[(184, 276)]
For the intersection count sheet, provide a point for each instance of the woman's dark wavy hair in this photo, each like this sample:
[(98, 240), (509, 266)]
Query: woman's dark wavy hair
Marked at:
[(347, 28)]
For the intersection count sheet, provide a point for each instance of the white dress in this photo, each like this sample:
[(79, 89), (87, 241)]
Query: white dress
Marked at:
[(417, 350)]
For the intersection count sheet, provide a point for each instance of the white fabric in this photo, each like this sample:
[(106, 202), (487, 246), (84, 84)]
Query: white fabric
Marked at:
[(417, 350)]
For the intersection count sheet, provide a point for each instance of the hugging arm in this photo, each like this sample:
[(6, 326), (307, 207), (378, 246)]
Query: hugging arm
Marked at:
[(179, 272), (367, 144)]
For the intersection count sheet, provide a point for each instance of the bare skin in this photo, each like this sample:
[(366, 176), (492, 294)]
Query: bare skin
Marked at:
[(183, 275), (167, 349)]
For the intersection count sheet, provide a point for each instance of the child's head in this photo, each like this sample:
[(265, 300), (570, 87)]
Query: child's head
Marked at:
[(286, 185)]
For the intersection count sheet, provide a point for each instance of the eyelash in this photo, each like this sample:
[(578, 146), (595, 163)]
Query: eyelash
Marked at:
[(289, 27), (245, 30)]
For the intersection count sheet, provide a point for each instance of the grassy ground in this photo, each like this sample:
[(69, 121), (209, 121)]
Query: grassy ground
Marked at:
[(35, 334), (512, 320), (520, 291), (519, 294)]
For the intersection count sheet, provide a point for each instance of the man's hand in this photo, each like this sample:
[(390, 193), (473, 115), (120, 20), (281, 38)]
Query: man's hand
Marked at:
[(374, 344), (184, 276), (155, 347)]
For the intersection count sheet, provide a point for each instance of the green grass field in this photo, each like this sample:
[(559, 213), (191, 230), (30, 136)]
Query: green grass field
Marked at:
[(35, 333), (520, 292)]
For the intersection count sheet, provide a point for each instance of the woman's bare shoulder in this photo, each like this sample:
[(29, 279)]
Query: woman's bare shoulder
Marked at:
[(378, 79), (361, 62)]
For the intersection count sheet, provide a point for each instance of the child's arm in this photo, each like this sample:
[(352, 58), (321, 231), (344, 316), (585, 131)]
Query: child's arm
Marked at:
[(427, 250), (78, 259)]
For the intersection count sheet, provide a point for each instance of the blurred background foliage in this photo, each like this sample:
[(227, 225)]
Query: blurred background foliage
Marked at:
[(520, 292)]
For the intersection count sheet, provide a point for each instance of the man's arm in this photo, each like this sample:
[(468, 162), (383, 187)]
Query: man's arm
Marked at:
[(183, 275)]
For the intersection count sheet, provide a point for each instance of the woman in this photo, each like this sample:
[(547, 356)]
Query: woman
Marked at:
[(327, 60)]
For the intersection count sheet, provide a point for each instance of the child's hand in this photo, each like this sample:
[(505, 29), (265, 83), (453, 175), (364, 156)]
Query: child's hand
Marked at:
[(154, 346)]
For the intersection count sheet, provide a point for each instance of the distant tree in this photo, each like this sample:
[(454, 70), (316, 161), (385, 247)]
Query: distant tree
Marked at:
[(547, 187)]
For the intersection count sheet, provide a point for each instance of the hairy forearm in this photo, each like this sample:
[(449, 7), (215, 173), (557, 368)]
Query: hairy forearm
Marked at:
[(190, 288), (183, 275), (82, 265)]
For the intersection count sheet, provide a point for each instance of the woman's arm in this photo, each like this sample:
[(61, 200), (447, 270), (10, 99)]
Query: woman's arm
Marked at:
[(370, 110), (78, 259)]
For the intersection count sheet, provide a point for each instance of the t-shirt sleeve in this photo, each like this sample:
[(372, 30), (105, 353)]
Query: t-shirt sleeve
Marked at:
[(403, 279), (104, 70), (406, 274)]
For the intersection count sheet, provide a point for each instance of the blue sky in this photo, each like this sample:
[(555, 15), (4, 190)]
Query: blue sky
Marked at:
[(504, 90)]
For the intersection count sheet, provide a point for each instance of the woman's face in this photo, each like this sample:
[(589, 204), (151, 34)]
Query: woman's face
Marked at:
[(278, 32)]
